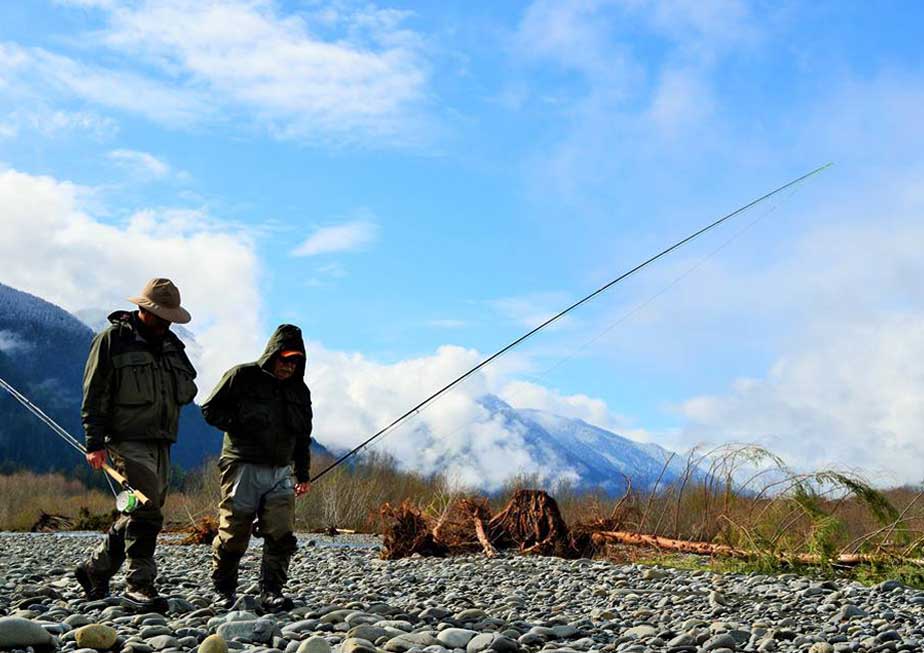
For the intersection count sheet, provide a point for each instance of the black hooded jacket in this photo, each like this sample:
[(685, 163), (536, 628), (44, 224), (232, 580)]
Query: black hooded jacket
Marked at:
[(266, 421)]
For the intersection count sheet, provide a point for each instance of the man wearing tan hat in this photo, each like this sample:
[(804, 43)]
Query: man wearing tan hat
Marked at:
[(137, 379)]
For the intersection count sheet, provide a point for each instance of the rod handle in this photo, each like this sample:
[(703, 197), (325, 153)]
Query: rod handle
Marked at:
[(122, 481)]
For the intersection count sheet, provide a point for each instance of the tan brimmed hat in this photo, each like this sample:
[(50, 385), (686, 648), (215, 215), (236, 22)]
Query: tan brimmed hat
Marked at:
[(162, 298)]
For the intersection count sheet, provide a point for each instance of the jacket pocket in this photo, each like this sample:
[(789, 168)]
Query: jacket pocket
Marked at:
[(134, 375)]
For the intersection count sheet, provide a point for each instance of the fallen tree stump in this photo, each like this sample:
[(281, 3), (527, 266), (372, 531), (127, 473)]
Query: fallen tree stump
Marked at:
[(50, 523), (530, 522), (408, 533), (200, 532)]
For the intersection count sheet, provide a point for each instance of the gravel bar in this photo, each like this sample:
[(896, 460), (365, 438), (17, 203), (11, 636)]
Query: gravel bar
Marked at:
[(347, 600)]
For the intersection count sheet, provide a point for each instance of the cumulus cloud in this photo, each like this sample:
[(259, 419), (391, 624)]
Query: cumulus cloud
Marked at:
[(339, 74), (851, 396), (52, 247), (842, 311), (345, 237)]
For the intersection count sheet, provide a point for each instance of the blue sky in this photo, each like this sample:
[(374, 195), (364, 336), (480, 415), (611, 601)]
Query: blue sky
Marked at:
[(397, 178)]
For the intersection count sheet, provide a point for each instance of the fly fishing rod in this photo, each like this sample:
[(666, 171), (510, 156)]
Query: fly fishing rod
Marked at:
[(128, 499), (559, 315)]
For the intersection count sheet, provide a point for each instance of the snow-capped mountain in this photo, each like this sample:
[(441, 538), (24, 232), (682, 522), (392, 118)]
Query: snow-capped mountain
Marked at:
[(589, 456)]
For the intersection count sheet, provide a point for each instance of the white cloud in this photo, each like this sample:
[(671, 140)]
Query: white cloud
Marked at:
[(851, 396), (354, 397), (53, 248), (141, 163), (345, 237), (339, 74), (37, 75)]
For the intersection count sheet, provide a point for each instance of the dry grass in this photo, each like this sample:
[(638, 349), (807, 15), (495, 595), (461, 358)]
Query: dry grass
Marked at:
[(737, 495)]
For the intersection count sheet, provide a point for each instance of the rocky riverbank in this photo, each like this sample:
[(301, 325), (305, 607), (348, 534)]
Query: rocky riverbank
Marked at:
[(349, 601)]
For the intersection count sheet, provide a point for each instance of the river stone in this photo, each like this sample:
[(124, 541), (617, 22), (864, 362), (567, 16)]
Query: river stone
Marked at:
[(153, 631), (654, 574), (337, 616), (723, 640), (366, 632), (407, 641), (20, 633), (480, 642), (314, 645), (456, 637), (95, 636), (213, 644), (259, 631), (565, 631), (434, 614), (471, 614), (503, 644), (160, 642), (357, 645), (821, 647), (359, 618), (78, 620), (641, 631), (848, 612)]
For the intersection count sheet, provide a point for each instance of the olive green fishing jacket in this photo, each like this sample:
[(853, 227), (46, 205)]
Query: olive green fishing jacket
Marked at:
[(134, 388), (266, 421)]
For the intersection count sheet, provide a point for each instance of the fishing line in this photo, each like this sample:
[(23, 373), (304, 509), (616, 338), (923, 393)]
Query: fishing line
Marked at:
[(126, 501), (623, 318), (40, 414), (670, 286), (562, 313)]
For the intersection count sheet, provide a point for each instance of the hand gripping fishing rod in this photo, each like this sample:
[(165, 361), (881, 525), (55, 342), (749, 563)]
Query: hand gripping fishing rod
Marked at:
[(126, 504), (601, 289)]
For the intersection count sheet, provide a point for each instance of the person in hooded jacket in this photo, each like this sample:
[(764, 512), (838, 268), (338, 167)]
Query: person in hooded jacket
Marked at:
[(264, 408)]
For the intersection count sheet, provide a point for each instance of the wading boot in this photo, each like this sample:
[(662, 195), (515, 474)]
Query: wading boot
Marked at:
[(94, 587), (274, 601), (225, 597), (144, 599)]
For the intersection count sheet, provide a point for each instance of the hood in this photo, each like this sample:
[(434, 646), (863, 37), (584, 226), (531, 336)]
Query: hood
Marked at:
[(286, 336)]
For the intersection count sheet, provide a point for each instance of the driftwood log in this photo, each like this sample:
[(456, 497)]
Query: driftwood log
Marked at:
[(707, 548)]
